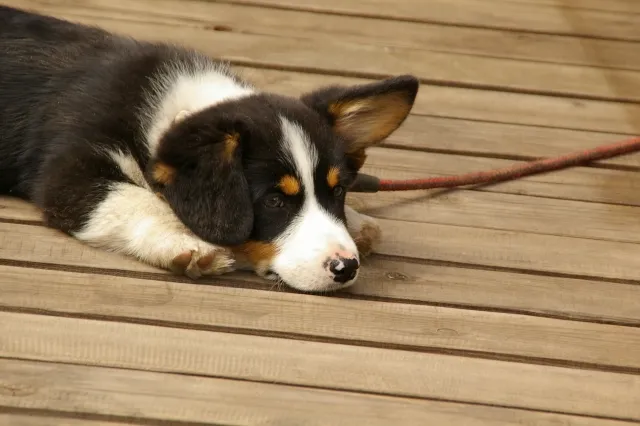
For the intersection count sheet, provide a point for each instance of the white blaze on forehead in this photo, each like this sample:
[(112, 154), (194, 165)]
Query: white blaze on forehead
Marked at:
[(300, 153), (314, 234)]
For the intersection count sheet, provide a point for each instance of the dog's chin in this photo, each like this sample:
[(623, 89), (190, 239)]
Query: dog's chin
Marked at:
[(327, 288)]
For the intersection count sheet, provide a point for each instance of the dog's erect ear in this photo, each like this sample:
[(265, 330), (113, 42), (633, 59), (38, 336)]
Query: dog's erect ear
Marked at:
[(198, 170), (365, 115)]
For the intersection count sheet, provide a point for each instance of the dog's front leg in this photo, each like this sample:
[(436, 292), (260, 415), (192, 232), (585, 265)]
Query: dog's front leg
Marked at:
[(364, 230), (132, 220)]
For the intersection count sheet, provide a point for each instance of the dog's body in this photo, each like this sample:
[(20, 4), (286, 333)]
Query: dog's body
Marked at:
[(162, 153)]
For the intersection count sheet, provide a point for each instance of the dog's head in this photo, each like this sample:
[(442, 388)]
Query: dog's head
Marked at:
[(268, 175)]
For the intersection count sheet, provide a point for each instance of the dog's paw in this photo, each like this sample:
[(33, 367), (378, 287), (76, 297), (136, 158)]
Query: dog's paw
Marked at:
[(368, 238), (364, 230), (205, 260)]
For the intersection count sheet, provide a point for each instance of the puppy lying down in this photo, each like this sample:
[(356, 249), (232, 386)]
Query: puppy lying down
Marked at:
[(162, 153)]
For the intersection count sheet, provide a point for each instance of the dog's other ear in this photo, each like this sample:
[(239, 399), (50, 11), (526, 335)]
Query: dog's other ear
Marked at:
[(367, 114), (198, 170)]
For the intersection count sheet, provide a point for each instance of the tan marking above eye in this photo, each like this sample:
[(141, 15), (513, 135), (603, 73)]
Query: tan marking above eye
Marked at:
[(333, 177), (231, 142), (289, 185), (163, 173)]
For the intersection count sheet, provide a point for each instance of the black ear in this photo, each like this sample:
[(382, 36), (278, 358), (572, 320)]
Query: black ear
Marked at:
[(367, 114), (198, 170)]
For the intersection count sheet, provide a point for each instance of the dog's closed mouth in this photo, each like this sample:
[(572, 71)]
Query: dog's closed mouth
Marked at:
[(271, 275)]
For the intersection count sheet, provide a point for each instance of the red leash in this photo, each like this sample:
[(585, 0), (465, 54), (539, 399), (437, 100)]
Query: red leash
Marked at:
[(367, 183)]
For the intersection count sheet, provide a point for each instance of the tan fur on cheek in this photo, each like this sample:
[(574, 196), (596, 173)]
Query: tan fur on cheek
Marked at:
[(333, 177), (230, 144), (289, 185), (258, 253), (163, 173)]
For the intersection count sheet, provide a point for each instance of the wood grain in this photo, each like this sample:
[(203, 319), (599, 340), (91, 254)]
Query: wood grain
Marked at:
[(386, 278), (527, 17), (560, 255), (506, 212), (377, 61), (157, 396), (370, 323), (244, 19), (15, 209), (339, 367), (624, 6), (501, 140)]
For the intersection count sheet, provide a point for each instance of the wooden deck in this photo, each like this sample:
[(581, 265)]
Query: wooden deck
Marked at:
[(515, 304)]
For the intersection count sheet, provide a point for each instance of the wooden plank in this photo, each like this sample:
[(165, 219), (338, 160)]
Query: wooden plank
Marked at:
[(339, 367), (245, 19), (506, 212), (176, 398), (624, 6), (384, 278), (472, 137), (377, 61), (19, 210), (412, 327), (38, 244), (505, 249), (528, 17), (16, 419), (578, 299)]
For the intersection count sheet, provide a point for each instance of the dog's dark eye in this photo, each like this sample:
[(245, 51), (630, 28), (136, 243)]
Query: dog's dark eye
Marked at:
[(338, 191), (274, 201)]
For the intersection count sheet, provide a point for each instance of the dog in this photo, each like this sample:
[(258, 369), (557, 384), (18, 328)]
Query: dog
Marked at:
[(165, 154)]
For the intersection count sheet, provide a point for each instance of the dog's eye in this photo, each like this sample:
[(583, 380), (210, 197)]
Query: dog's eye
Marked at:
[(338, 191), (274, 201)]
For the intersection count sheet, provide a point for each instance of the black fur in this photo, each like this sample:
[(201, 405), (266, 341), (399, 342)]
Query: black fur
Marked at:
[(69, 92)]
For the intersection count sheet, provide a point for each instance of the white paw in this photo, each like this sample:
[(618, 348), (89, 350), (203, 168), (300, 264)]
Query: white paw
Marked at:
[(364, 230), (203, 259)]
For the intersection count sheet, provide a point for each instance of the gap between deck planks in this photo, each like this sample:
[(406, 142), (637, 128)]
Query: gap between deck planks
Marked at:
[(331, 320), (30, 417), (340, 367), (514, 142), (375, 61), (300, 24), (523, 17), (622, 6), (135, 395), (381, 279)]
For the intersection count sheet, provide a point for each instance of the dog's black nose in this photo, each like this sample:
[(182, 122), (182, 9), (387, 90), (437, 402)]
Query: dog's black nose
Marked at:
[(344, 269)]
